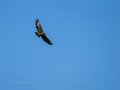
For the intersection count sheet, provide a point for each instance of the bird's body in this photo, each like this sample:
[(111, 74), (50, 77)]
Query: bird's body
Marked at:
[(41, 33)]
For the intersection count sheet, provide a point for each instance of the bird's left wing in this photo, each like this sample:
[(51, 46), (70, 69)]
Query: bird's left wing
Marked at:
[(46, 40), (38, 26)]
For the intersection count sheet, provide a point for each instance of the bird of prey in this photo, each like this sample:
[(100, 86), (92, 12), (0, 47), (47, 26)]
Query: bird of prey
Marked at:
[(41, 33)]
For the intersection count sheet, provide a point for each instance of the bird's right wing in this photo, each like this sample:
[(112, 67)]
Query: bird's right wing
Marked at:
[(46, 40)]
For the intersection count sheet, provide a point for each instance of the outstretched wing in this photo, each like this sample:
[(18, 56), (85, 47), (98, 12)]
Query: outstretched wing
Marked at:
[(46, 39), (38, 26)]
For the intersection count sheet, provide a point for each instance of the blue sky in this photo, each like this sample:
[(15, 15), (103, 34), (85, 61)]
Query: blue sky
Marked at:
[(86, 50)]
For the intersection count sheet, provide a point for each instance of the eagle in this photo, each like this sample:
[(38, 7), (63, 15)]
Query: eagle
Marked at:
[(41, 33)]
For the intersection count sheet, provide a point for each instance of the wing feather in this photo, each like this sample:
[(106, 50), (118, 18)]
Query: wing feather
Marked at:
[(38, 26), (46, 39)]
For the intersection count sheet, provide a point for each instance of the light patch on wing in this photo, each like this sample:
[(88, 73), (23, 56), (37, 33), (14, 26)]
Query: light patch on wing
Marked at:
[(38, 26), (37, 23)]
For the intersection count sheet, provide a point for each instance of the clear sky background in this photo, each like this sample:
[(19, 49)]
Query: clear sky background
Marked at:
[(86, 50)]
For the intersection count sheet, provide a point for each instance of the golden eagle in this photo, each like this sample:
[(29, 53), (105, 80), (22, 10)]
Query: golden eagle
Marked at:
[(41, 33)]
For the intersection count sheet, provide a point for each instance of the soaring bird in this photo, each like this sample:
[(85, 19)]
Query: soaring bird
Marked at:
[(41, 33)]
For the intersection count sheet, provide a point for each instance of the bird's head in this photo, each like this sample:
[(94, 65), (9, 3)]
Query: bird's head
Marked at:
[(36, 33)]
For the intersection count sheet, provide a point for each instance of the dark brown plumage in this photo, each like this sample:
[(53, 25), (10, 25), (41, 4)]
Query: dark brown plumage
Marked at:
[(41, 33)]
